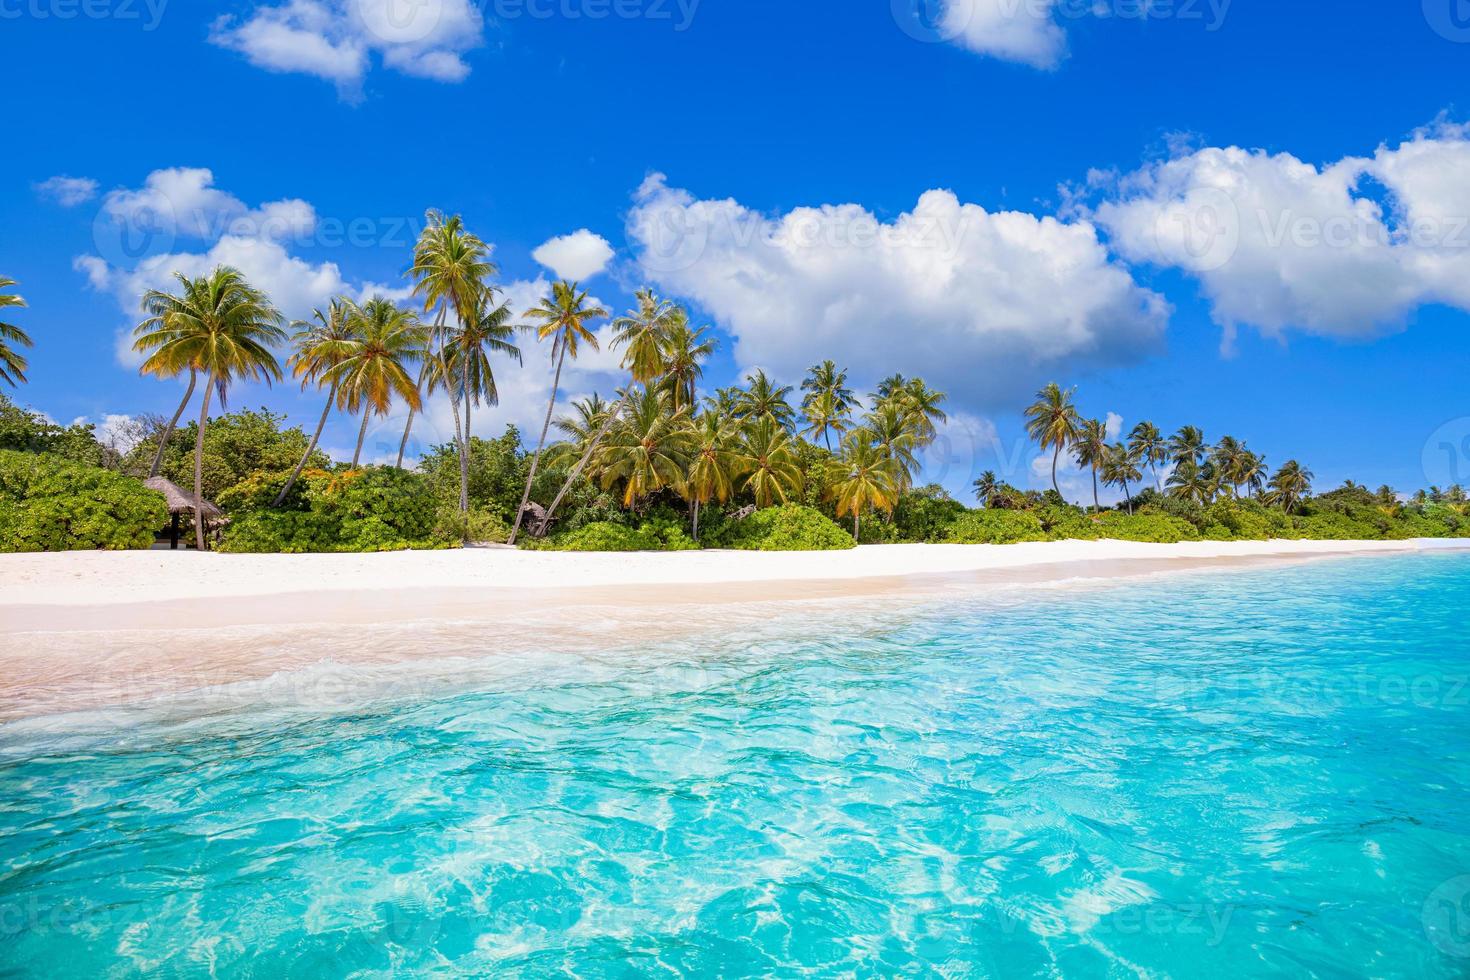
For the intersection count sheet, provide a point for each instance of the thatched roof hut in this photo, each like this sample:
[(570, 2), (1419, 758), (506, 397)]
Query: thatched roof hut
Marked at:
[(178, 501)]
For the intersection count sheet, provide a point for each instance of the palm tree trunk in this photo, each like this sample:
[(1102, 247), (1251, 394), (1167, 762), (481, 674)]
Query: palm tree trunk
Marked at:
[(172, 423), (592, 445), (361, 434), (536, 460), (310, 448), (856, 526), (464, 446), (199, 466), (696, 520), (1054, 457), (1128, 497), (408, 427), (1096, 504)]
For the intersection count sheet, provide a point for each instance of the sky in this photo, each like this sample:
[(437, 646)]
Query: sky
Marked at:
[(1250, 217)]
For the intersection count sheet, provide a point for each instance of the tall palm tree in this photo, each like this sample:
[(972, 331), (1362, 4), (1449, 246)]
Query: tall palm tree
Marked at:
[(1090, 449), (765, 458), (450, 267), (169, 365), (320, 346), (986, 488), (1228, 457), (1252, 472), (894, 431), (647, 450), (222, 326), (1052, 421), (1149, 448), (563, 316), (889, 387), (1119, 468), (922, 403), (685, 351), (1191, 481), (828, 402), (589, 415), (1188, 444), (641, 333), (1290, 486), (376, 366), (487, 330), (862, 477), (712, 465), (763, 398), (12, 362)]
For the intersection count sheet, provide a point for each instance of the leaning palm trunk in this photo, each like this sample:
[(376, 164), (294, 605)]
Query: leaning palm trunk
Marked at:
[(1054, 457), (1128, 497), (310, 448), (172, 424), (696, 519), (536, 460), (586, 458), (1096, 504), (361, 435), (464, 445), (408, 427), (199, 466)]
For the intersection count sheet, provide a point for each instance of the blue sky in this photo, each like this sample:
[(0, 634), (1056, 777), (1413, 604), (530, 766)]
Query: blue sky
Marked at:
[(1246, 216)]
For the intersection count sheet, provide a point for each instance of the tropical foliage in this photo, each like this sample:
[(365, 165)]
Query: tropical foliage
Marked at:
[(52, 504)]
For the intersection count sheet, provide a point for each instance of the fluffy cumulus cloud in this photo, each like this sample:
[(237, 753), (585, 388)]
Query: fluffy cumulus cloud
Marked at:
[(1350, 248), (580, 255), (1024, 31), (338, 39), (68, 191), (976, 301)]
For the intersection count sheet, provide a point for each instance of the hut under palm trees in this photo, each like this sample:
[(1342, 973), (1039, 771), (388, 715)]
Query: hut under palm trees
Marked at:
[(179, 502)]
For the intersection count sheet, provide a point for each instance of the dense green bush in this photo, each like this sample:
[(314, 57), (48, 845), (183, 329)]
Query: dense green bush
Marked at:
[(996, 527), (659, 534), (238, 447), (478, 527), (375, 509), (790, 527), (925, 514), (25, 431), (1145, 526), (52, 504)]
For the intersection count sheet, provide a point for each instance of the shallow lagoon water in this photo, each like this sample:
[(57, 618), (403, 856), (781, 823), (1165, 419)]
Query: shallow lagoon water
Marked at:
[(1261, 773)]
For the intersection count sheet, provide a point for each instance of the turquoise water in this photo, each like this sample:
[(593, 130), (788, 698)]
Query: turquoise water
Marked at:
[(1253, 774)]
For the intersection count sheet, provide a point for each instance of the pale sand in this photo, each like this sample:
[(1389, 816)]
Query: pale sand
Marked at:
[(84, 631)]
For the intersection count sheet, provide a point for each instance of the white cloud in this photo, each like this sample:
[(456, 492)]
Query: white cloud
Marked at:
[(1023, 31), (68, 191), (1279, 244), (580, 255), (183, 202), (1113, 425), (983, 304), (336, 39)]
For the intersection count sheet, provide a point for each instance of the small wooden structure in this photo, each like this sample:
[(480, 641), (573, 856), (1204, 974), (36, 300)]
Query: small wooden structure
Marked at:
[(179, 502), (533, 519)]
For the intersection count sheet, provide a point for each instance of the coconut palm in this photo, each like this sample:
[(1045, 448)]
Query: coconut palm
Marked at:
[(450, 267), (1228, 457), (894, 430), (647, 449), (889, 387), (765, 457), (1120, 468), (170, 364), (763, 398), (1149, 448), (1252, 471), (1191, 481), (828, 402), (586, 421), (713, 467), (1052, 421), (321, 344), (1188, 444), (488, 330), (12, 362), (224, 328), (922, 404), (685, 351), (987, 487), (563, 316), (1090, 449), (862, 477), (377, 366), (1290, 486)]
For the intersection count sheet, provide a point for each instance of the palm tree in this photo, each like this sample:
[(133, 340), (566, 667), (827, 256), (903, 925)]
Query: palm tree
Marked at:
[(986, 488), (12, 362), (922, 403), (893, 429), (763, 398), (375, 368), (642, 332), (889, 387), (1053, 422), (168, 365), (1191, 481), (828, 402), (1148, 447), (488, 330), (450, 267), (320, 346), (590, 414), (223, 327), (563, 316), (765, 457), (1228, 457), (685, 351), (1188, 444), (1091, 450), (712, 464), (647, 450), (1119, 468), (1290, 486), (863, 476), (1252, 472)]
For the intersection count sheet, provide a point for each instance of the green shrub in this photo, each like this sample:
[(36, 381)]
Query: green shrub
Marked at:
[(478, 527), (1146, 526), (653, 535), (996, 527), (376, 509), (51, 504), (790, 527), (924, 514)]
